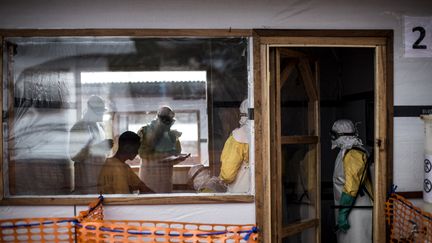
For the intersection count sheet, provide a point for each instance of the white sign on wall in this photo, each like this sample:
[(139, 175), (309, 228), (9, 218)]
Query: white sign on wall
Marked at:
[(418, 36)]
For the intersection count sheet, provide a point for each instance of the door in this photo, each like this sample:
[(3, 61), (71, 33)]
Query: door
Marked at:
[(294, 154), (268, 182)]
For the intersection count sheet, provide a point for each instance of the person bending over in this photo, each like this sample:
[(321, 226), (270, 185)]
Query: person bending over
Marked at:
[(116, 176)]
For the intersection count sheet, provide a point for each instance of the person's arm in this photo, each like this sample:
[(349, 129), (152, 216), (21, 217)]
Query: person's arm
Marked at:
[(143, 188), (174, 136), (79, 143), (354, 163), (136, 184), (232, 157), (175, 159)]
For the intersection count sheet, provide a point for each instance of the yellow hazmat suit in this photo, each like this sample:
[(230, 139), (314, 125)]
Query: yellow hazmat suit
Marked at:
[(235, 171), (354, 163), (233, 155), (354, 224)]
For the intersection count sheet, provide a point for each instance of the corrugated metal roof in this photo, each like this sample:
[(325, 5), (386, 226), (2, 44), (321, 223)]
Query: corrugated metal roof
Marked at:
[(143, 77)]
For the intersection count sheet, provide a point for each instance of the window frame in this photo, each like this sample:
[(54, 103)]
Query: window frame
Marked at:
[(152, 199)]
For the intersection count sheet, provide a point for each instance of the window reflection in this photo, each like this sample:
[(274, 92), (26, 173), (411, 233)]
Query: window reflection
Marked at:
[(52, 79)]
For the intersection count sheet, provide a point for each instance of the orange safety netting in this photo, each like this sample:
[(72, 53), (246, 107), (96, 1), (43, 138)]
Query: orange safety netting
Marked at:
[(37, 230), (407, 223), (89, 226)]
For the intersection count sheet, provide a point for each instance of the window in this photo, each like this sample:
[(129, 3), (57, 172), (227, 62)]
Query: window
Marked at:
[(56, 85)]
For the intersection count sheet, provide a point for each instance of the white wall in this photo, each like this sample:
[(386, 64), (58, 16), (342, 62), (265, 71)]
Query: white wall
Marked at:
[(412, 76), (234, 213)]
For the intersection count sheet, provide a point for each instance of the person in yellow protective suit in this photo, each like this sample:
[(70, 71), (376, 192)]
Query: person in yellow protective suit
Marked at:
[(116, 176), (235, 171), (160, 151), (351, 185), (235, 174)]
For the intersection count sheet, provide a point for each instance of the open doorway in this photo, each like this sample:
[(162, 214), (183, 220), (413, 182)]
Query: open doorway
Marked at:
[(313, 87), (308, 80), (346, 79)]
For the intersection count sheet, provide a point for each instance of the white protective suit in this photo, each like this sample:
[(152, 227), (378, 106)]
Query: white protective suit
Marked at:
[(349, 167), (158, 144), (88, 147)]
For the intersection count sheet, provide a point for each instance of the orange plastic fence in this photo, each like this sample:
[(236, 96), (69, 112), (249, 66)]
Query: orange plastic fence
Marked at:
[(152, 231), (38, 230), (407, 223), (89, 226)]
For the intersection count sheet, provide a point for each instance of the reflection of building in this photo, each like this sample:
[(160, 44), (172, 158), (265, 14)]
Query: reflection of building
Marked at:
[(139, 96), (37, 146)]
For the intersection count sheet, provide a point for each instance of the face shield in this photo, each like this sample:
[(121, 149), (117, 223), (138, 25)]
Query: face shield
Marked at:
[(344, 134), (167, 120), (166, 116), (335, 135)]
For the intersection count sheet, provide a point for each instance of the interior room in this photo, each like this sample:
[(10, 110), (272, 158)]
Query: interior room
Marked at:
[(346, 91), (55, 77)]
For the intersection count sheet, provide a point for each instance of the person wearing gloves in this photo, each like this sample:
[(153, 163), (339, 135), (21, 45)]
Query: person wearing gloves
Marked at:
[(235, 171), (159, 151), (88, 147), (351, 185)]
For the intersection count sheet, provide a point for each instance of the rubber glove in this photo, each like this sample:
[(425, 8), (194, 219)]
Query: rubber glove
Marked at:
[(346, 201)]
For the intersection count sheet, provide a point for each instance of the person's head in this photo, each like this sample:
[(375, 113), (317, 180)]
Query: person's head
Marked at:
[(95, 108), (200, 178), (128, 144), (243, 112), (344, 134), (166, 116), (198, 174)]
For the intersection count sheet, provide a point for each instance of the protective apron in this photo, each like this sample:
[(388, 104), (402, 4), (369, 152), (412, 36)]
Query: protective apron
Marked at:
[(360, 220)]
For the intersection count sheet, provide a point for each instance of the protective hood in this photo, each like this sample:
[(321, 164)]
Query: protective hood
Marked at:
[(243, 113), (241, 134), (344, 134)]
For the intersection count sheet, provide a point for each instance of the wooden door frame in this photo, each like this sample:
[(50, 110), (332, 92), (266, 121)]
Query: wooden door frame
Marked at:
[(278, 75), (382, 42)]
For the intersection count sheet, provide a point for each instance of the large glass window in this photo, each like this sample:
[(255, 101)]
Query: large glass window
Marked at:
[(68, 101)]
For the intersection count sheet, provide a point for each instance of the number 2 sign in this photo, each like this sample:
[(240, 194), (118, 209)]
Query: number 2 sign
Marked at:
[(418, 36)]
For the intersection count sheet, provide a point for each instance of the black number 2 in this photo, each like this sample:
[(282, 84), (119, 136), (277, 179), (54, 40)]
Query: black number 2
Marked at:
[(416, 44)]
